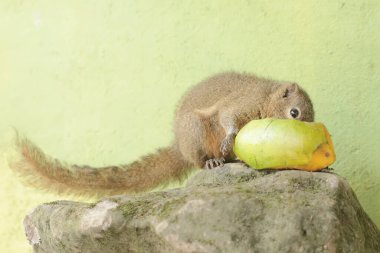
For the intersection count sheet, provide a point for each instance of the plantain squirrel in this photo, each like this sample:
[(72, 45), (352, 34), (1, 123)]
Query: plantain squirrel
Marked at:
[(207, 120)]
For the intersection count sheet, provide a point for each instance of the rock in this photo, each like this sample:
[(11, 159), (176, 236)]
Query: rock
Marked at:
[(228, 209)]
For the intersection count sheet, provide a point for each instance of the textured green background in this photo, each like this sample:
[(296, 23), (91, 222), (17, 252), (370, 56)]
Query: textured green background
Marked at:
[(97, 82)]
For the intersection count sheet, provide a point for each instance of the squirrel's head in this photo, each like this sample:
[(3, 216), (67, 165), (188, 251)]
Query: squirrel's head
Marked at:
[(289, 101)]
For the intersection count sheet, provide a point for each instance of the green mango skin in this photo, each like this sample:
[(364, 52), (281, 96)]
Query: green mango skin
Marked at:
[(278, 143)]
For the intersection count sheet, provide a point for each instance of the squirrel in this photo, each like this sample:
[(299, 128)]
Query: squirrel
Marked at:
[(206, 122)]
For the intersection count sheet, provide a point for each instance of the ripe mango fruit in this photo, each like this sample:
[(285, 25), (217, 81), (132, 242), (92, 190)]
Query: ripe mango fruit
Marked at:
[(285, 143)]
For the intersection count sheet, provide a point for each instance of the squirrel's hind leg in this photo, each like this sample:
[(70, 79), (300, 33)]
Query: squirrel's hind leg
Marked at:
[(190, 134)]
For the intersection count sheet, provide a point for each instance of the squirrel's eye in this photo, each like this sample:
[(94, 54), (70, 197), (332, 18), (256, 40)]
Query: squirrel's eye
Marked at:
[(294, 113)]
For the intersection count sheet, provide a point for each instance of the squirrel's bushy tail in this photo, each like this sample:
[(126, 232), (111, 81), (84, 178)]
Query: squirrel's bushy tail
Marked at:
[(150, 171)]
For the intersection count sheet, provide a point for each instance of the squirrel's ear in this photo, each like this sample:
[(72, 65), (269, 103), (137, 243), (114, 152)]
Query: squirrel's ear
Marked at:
[(288, 90)]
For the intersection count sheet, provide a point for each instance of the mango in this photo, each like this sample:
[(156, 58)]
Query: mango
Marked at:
[(285, 143)]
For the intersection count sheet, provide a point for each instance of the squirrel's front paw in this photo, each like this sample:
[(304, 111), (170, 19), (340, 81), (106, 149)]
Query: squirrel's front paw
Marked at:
[(213, 163), (227, 145)]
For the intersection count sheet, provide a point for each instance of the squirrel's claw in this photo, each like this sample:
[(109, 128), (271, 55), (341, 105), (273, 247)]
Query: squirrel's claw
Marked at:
[(213, 163)]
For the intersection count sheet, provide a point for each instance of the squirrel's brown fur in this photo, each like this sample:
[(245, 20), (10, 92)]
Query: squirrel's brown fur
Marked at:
[(207, 120)]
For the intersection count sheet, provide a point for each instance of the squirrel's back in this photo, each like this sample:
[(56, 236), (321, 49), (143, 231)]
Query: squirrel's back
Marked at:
[(224, 85)]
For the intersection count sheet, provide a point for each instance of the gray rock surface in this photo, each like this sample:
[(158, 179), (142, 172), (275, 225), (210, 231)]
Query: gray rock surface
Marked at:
[(229, 209)]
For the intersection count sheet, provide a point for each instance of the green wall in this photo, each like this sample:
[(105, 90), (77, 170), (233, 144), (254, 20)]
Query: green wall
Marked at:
[(97, 82)]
